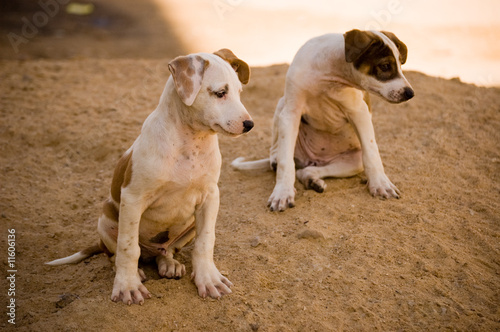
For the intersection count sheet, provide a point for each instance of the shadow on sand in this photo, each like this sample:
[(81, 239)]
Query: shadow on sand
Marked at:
[(112, 29)]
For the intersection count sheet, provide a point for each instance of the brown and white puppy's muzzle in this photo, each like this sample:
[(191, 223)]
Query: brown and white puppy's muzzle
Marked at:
[(210, 85), (377, 58)]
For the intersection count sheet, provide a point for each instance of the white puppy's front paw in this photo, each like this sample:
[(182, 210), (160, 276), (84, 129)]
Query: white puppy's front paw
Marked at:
[(210, 281), (382, 187), (281, 198), (129, 289)]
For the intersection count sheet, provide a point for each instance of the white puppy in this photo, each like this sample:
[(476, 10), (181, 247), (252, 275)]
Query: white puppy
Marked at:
[(164, 188), (322, 125)]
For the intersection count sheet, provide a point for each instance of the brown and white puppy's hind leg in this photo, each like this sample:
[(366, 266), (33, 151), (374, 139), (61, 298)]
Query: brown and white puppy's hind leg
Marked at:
[(345, 165)]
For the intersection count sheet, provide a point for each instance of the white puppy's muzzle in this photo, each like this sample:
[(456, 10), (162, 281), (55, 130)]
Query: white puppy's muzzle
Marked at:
[(237, 127)]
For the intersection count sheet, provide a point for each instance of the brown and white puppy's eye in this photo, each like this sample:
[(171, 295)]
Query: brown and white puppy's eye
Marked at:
[(385, 67), (385, 70)]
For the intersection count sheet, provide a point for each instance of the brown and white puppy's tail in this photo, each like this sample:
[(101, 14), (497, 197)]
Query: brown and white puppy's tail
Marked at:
[(78, 257), (255, 165)]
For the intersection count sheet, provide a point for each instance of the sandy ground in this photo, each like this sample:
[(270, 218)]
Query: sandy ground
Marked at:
[(338, 261)]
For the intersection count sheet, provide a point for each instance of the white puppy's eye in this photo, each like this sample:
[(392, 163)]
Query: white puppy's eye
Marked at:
[(220, 94)]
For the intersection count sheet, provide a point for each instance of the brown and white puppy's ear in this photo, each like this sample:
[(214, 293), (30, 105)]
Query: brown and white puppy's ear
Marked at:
[(358, 42), (403, 50), (187, 72), (239, 66)]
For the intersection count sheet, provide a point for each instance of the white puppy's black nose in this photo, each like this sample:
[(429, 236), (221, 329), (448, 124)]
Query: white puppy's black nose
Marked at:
[(409, 93), (247, 125)]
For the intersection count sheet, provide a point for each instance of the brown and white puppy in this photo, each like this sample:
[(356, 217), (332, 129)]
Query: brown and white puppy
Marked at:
[(164, 189), (322, 125)]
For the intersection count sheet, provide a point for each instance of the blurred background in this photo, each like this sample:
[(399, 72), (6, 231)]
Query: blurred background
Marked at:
[(446, 38)]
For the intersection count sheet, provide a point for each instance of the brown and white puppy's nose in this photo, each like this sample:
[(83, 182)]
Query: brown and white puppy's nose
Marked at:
[(408, 93), (247, 126)]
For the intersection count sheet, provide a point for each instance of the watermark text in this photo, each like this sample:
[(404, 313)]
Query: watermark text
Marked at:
[(11, 276)]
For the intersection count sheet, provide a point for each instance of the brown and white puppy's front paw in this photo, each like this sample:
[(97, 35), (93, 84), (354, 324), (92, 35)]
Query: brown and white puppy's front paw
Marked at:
[(382, 187), (209, 281), (281, 198), (129, 289)]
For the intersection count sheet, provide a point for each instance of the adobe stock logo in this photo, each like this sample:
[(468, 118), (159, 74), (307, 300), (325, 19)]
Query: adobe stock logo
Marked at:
[(223, 7), (383, 17), (30, 28)]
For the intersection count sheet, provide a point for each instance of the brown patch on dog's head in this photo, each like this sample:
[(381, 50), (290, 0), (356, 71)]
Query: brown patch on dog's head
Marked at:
[(370, 55), (403, 50), (121, 176), (357, 42), (187, 72), (239, 66)]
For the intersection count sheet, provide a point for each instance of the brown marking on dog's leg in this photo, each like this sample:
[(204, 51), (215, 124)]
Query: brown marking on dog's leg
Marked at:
[(121, 176), (110, 210)]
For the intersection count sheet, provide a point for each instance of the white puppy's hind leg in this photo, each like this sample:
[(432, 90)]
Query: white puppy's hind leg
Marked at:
[(169, 267), (346, 165), (142, 275)]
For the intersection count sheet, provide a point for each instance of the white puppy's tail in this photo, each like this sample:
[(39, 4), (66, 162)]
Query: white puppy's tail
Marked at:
[(255, 165), (78, 257)]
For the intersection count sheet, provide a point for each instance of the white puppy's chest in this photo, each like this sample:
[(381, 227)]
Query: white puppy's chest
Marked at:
[(183, 185), (172, 211), (183, 182)]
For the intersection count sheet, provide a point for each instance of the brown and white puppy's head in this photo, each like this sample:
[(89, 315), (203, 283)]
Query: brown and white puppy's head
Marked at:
[(210, 86), (376, 57)]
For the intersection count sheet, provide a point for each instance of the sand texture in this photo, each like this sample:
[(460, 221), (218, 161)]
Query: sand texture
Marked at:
[(340, 260)]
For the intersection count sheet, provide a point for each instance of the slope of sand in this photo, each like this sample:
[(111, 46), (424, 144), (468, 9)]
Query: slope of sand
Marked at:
[(340, 260)]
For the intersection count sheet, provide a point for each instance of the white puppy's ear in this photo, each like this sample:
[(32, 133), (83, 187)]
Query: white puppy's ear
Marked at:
[(239, 66), (187, 72), (358, 42)]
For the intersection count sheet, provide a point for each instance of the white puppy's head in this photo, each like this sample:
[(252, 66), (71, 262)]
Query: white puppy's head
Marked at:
[(210, 85), (377, 58)]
